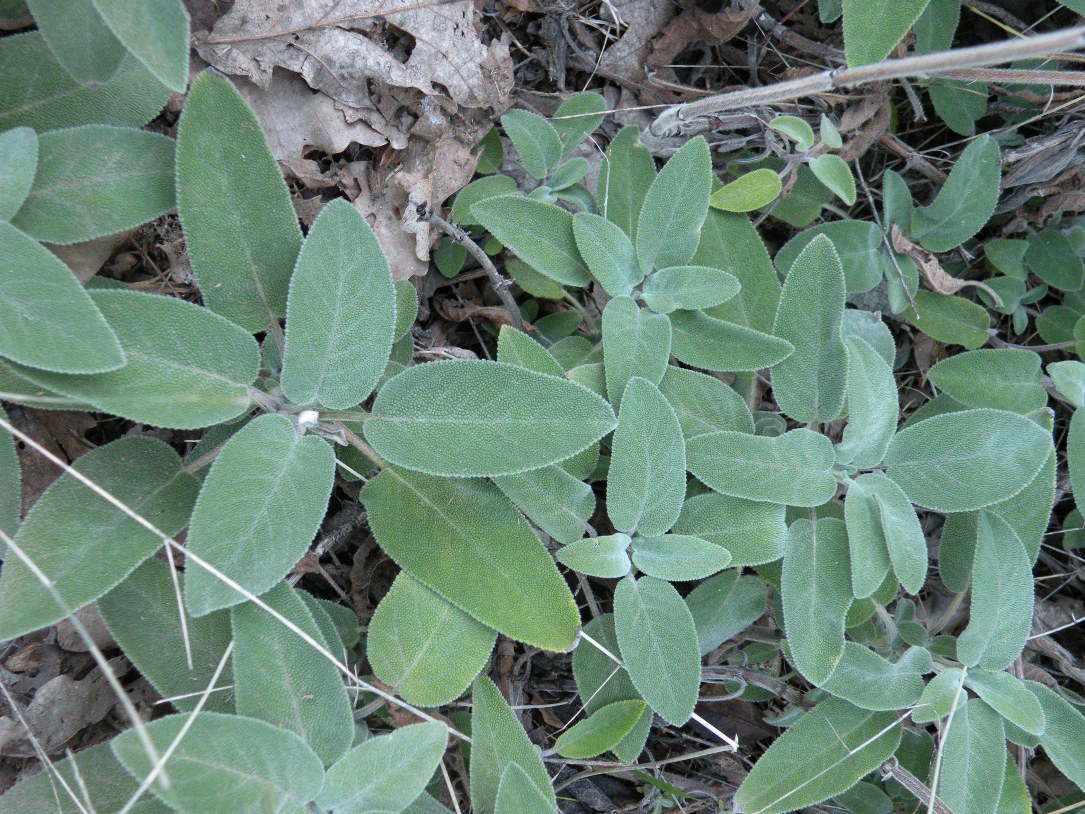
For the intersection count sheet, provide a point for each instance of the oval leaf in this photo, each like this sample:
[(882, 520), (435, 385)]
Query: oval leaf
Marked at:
[(468, 418), (535, 139), (82, 543), (703, 341), (424, 647), (961, 461), (658, 642), (754, 532), (155, 32), (965, 202), (541, 234), (601, 731), (688, 287), (873, 407), (635, 343), (554, 500), (79, 39), (18, 163), (625, 177), (259, 508), (748, 192), (608, 252), (724, 606), (340, 313), (973, 760), (518, 794), (1009, 697), (703, 403), (1002, 379), (604, 557), (675, 208), (465, 540), (187, 367), (679, 557)]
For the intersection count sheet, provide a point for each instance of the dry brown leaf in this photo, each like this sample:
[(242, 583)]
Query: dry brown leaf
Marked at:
[(931, 270), (60, 432), (643, 20), (86, 259), (469, 310), (71, 640)]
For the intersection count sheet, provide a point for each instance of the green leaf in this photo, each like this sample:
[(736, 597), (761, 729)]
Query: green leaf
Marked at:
[(79, 39), (601, 731), (281, 679), (754, 532), (658, 643), (259, 508), (867, 680), (463, 539), (608, 253), (868, 550), (796, 129), (1003, 379), (1075, 456), (679, 557), (84, 545), (1062, 736), (155, 32), (873, 407), (730, 242), (1002, 596), (1069, 379), (688, 287), (724, 606), (39, 93), (479, 190), (47, 320), (816, 594), (424, 647), (748, 192), (793, 468), (973, 760), (225, 763), (952, 320), (1009, 697), (674, 209), (1052, 258), (604, 557), (939, 462), (636, 342), (499, 741), (626, 174), (1029, 511), (702, 341), (491, 153), (646, 483), (939, 696), (873, 29), (540, 233), (96, 180), (809, 384), (536, 141), (340, 313), (18, 164), (240, 228), (518, 794), (517, 348), (406, 306), (469, 418), (385, 773), (98, 781), (834, 173), (965, 202), (577, 117), (825, 753), (142, 614), (703, 403), (558, 503), (857, 243), (187, 367)]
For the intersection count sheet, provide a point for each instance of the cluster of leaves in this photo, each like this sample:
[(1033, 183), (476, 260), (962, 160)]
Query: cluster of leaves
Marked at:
[(481, 461)]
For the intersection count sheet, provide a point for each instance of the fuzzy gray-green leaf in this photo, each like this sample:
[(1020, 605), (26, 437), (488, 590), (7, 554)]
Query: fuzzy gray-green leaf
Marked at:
[(600, 731), (10, 483), (809, 384), (464, 539), (658, 641), (47, 320), (674, 209), (424, 647), (340, 313), (1062, 735), (704, 403), (873, 407), (1002, 379), (1009, 697), (688, 287), (679, 557), (541, 234), (155, 32), (754, 532), (636, 342), (187, 367), (625, 176), (647, 479), (535, 139), (869, 681), (259, 508), (281, 679), (816, 594), (713, 344), (18, 164), (96, 180), (939, 461), (825, 753), (517, 348), (240, 228), (724, 606), (608, 252), (79, 39), (554, 500), (468, 418), (82, 543), (793, 468), (965, 202), (973, 760), (1000, 616), (605, 557)]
